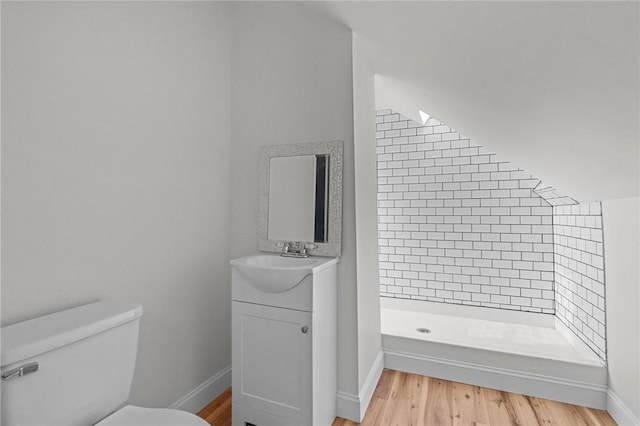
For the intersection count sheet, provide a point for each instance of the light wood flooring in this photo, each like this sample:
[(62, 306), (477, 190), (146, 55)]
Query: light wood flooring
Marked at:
[(218, 412), (404, 399)]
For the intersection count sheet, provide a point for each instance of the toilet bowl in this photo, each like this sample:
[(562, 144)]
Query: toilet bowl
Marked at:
[(139, 416), (75, 368)]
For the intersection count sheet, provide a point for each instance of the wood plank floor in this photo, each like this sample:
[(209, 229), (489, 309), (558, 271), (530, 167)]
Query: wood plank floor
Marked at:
[(218, 412), (403, 399)]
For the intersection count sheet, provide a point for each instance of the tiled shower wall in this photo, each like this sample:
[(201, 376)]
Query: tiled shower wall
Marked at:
[(579, 272), (457, 224)]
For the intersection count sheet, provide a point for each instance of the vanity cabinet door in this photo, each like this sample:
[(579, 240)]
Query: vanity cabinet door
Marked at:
[(272, 360)]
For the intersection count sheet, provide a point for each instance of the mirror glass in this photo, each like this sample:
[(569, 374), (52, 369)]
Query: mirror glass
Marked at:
[(301, 197), (292, 185)]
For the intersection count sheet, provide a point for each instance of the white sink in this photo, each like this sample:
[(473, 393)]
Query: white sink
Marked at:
[(279, 262), (273, 273)]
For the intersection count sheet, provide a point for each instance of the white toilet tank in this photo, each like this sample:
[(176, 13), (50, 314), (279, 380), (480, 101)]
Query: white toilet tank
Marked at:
[(85, 361)]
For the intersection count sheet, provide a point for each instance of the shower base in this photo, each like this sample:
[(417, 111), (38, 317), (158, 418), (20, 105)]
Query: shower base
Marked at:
[(528, 353)]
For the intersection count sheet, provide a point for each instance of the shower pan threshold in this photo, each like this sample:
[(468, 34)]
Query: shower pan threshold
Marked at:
[(529, 353)]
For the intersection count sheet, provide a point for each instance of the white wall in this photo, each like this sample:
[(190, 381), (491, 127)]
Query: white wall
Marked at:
[(368, 301), (115, 174), (621, 219), (292, 83), (532, 81)]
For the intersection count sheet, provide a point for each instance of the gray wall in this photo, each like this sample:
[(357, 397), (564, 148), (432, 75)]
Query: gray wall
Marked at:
[(115, 174), (368, 306), (292, 83), (621, 218)]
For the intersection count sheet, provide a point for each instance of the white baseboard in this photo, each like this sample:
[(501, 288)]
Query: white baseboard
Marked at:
[(369, 385), (586, 394), (348, 406), (198, 398), (353, 407), (619, 411)]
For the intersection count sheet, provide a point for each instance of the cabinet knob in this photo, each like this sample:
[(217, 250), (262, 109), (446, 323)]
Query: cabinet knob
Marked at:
[(304, 329)]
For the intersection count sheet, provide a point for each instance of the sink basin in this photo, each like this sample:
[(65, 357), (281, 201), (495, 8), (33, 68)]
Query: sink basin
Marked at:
[(273, 273)]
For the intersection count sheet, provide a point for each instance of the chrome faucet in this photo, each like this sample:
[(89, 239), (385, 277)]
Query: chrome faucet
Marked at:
[(296, 249)]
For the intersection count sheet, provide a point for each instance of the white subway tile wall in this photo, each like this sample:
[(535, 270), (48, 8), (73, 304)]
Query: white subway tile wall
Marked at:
[(456, 223), (579, 272), (552, 196)]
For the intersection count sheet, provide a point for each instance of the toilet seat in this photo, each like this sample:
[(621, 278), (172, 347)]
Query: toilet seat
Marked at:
[(140, 416)]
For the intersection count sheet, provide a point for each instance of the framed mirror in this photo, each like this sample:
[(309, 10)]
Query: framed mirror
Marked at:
[(301, 197)]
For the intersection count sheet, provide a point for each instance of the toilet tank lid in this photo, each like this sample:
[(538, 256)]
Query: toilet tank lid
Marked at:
[(29, 338)]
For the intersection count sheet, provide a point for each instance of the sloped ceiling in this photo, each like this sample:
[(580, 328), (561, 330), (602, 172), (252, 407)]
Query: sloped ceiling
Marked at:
[(551, 86)]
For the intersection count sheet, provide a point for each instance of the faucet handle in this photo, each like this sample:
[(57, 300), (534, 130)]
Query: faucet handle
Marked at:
[(306, 247)]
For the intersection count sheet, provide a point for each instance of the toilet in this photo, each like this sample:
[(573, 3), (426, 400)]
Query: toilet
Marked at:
[(75, 367)]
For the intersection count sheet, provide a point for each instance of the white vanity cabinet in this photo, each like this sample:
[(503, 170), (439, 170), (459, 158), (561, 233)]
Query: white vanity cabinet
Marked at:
[(284, 341)]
